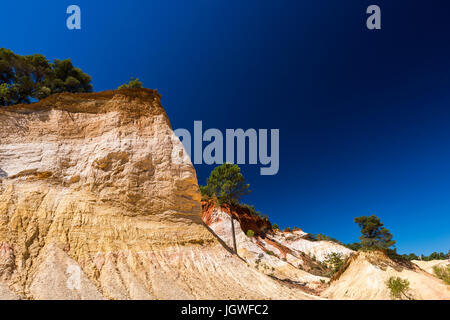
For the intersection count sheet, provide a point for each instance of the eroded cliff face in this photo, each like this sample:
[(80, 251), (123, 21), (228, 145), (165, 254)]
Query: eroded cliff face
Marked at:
[(287, 256), (99, 200)]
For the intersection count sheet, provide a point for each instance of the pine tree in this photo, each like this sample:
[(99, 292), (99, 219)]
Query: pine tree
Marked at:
[(227, 183), (27, 78), (373, 233)]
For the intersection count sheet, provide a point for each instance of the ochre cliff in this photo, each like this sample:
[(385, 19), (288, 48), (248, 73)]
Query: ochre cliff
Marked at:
[(99, 183)]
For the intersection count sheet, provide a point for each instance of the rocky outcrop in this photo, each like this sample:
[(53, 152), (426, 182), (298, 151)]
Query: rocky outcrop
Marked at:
[(99, 200)]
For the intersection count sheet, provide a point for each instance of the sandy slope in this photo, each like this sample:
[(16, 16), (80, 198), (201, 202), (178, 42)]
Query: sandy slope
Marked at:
[(428, 265), (366, 275)]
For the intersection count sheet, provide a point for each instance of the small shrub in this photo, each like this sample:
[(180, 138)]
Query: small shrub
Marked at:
[(334, 261), (311, 237), (250, 233), (442, 273), (275, 227), (134, 83), (399, 288)]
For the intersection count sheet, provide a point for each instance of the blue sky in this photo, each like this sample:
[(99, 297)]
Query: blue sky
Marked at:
[(363, 115)]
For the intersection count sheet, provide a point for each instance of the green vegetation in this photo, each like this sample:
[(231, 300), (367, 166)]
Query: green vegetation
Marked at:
[(275, 227), (27, 78), (410, 256), (206, 192), (442, 273), (251, 209), (354, 246), (321, 237), (399, 288), (134, 83), (250, 233), (227, 184), (436, 256), (433, 256), (374, 236), (334, 261)]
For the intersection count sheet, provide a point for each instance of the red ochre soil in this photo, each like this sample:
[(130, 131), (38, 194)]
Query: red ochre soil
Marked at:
[(263, 232), (248, 221)]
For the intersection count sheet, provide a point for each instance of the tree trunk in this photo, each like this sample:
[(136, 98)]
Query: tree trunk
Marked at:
[(232, 230)]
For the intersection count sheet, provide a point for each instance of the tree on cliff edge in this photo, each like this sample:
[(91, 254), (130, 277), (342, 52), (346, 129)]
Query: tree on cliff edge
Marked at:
[(374, 236), (132, 84), (227, 183), (24, 79)]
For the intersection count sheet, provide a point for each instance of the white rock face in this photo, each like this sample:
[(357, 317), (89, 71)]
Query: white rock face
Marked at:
[(266, 254), (318, 249)]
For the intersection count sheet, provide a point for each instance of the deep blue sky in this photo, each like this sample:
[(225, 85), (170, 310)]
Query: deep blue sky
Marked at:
[(363, 115)]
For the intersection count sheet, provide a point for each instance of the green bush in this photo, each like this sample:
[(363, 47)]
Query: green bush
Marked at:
[(134, 83), (354, 246), (206, 192), (442, 273), (334, 261), (250, 233), (275, 227), (399, 288), (251, 209)]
